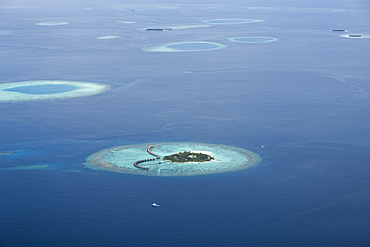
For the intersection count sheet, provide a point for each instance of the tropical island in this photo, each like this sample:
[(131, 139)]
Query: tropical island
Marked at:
[(134, 159), (184, 157)]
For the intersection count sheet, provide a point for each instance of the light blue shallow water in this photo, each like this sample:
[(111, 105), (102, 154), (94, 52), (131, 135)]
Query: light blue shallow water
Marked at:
[(193, 46), (253, 39), (48, 89), (43, 89), (186, 47), (51, 23), (301, 103), (123, 158)]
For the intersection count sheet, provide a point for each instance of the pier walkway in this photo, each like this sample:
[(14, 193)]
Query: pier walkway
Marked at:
[(136, 164), (150, 151)]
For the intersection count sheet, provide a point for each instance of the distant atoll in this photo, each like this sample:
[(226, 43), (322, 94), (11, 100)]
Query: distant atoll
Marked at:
[(252, 39), (51, 23), (108, 37), (159, 29), (186, 47), (355, 36), (49, 89), (173, 159), (171, 28)]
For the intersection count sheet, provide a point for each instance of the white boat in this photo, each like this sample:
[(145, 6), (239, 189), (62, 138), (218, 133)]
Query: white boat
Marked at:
[(155, 205)]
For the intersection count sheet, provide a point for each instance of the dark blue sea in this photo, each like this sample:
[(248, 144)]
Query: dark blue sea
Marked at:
[(304, 97)]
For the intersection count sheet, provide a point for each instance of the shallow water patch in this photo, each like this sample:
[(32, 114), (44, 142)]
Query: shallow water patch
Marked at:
[(148, 159), (252, 39), (43, 89), (51, 89), (355, 36), (169, 28), (51, 23), (30, 167), (108, 37), (186, 46), (7, 153)]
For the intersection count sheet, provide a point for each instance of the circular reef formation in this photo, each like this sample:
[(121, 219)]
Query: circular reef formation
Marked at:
[(48, 89), (153, 159), (252, 39), (186, 46)]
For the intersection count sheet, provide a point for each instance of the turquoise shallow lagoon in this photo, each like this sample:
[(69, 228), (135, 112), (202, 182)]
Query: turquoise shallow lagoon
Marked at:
[(253, 39), (186, 46), (121, 159), (356, 36), (43, 89), (108, 37), (51, 23), (51, 89)]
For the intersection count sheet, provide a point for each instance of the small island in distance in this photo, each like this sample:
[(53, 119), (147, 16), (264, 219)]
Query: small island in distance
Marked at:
[(184, 157)]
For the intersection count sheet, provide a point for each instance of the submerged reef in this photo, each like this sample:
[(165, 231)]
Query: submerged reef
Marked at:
[(30, 167), (46, 90), (186, 46), (170, 28), (252, 39), (159, 29), (108, 37), (138, 159), (8, 153)]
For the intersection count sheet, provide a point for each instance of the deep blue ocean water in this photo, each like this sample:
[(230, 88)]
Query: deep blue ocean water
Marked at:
[(305, 98)]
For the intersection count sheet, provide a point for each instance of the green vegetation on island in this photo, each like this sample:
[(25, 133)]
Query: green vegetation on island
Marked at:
[(186, 156)]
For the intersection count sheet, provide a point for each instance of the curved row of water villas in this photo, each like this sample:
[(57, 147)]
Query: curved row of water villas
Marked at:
[(150, 152), (136, 164)]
